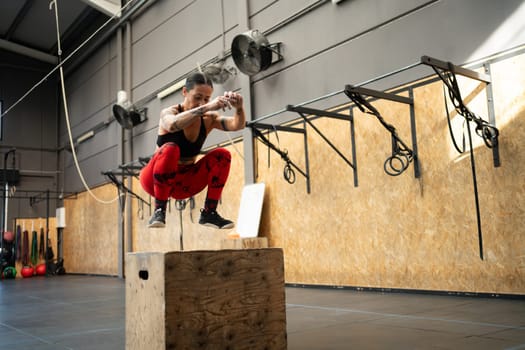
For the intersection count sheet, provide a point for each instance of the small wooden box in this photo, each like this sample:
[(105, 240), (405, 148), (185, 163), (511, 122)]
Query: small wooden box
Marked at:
[(221, 299)]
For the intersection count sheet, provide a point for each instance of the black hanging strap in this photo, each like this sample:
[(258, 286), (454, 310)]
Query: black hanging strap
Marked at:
[(487, 132), (288, 172), (41, 244), (402, 155)]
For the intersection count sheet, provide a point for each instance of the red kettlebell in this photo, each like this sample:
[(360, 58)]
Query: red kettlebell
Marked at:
[(27, 271), (41, 269)]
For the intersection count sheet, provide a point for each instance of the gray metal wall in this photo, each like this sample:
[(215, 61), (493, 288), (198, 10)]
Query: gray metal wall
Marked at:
[(31, 129), (325, 46)]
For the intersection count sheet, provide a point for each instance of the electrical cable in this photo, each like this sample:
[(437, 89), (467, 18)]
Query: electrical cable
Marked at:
[(66, 113)]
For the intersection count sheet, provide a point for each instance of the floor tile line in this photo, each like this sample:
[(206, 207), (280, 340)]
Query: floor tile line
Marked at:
[(337, 309)]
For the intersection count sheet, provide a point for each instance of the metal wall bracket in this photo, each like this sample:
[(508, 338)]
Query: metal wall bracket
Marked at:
[(488, 131), (288, 172), (482, 77), (126, 170), (304, 112), (434, 62), (355, 94)]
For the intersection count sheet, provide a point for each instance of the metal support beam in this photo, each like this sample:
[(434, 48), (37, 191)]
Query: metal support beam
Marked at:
[(108, 7), (27, 51), (352, 139), (303, 111), (379, 94), (18, 19), (492, 116), (276, 127), (429, 61), (417, 170), (317, 112), (245, 84), (72, 66)]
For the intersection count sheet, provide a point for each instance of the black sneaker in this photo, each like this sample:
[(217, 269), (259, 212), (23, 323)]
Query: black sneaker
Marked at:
[(158, 219), (213, 219)]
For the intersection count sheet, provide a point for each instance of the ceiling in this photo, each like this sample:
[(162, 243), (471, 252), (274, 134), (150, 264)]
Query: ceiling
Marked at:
[(28, 27)]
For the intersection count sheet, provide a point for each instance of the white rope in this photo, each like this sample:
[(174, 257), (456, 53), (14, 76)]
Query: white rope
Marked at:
[(66, 112), (234, 147)]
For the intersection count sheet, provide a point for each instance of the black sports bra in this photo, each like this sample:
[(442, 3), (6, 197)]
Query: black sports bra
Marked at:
[(187, 149)]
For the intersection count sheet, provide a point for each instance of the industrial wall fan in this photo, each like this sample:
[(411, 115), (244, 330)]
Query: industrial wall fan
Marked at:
[(125, 112), (252, 53), (219, 73)]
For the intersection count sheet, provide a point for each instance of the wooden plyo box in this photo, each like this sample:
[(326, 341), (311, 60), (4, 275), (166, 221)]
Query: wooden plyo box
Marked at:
[(221, 299), (244, 243)]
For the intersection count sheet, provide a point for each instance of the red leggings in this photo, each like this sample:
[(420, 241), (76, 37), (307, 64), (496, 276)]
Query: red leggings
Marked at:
[(163, 177)]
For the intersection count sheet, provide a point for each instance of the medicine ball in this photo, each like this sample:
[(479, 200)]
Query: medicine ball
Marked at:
[(9, 236), (9, 272), (27, 271), (41, 269)]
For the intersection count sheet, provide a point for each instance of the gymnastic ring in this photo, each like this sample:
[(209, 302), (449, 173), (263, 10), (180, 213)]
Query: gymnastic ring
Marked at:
[(180, 204), (402, 159), (389, 167), (489, 134), (289, 174)]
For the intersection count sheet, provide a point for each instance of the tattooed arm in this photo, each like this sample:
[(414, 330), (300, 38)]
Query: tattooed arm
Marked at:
[(238, 121), (172, 120)]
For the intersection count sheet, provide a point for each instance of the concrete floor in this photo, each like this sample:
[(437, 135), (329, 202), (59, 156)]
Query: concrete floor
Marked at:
[(88, 312)]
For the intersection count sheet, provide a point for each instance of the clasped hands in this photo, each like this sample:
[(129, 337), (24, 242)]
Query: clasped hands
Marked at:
[(229, 100)]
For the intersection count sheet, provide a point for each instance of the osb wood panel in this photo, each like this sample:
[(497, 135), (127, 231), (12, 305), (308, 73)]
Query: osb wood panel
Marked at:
[(244, 243), (91, 233), (402, 232), (145, 301), (244, 309), (195, 236), (390, 232), (36, 224)]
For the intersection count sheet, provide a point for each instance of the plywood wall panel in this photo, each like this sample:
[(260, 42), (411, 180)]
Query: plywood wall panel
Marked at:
[(389, 232), (91, 233), (402, 232)]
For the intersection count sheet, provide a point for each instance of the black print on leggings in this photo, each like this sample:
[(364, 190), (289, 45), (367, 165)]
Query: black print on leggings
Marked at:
[(164, 178), (216, 182)]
